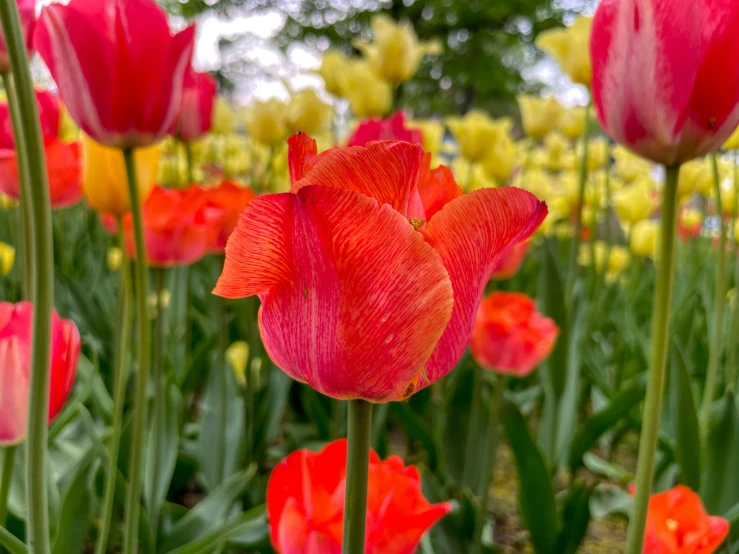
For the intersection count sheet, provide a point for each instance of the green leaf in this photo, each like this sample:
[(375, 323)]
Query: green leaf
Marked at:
[(457, 419), (168, 432), (209, 513), (552, 304), (720, 481), (576, 517), (687, 431), (270, 408), (619, 406), (536, 495), (77, 509), (11, 542), (419, 429), (609, 470)]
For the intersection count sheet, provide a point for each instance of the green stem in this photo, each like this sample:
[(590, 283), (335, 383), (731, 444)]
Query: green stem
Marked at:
[(583, 179), (190, 164), (357, 472), (657, 365), (473, 429), (733, 342), (158, 377), (119, 394), (714, 356), (489, 459), (42, 285), (248, 392), (6, 479), (222, 387), (25, 183), (133, 496)]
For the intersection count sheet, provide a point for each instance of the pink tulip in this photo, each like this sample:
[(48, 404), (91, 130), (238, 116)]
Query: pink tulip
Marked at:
[(27, 12), (196, 112), (666, 75), (15, 367), (119, 69)]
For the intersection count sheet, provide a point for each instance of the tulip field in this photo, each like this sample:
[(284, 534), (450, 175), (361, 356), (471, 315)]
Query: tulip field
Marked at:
[(484, 317)]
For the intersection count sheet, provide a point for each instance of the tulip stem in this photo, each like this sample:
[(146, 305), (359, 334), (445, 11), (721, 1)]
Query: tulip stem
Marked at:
[(133, 496), (357, 474), (159, 394), (119, 394), (5, 480), (253, 341), (489, 458), (582, 182), (42, 284), (657, 364), (731, 369), (714, 355), (25, 183)]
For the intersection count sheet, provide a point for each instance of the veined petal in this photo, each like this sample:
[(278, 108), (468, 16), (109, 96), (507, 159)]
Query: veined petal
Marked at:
[(437, 187), (14, 380), (384, 170), (301, 151), (471, 233), (353, 299)]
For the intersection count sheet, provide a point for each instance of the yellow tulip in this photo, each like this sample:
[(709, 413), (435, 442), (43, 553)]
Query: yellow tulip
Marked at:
[(114, 258), (476, 133), (537, 182), (690, 218), (570, 48), (333, 64), (571, 122), (68, 130), (104, 175), (471, 176), (732, 143), (432, 132), (597, 153), (617, 260), (636, 201), (7, 203), (694, 175), (237, 356), (539, 115), (396, 53), (368, 95), (628, 166), (308, 113), (645, 238), (557, 153), (7, 258), (224, 118), (499, 162), (265, 121)]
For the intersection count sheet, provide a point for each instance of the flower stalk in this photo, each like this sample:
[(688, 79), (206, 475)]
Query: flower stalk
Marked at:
[(357, 474)]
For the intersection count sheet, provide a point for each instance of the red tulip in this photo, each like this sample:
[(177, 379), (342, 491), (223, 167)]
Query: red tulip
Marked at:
[(510, 336), (15, 367), (230, 199), (677, 523), (666, 75), (356, 301), (180, 226), (392, 128), (305, 504), (27, 12), (49, 111), (196, 111), (119, 70), (511, 262)]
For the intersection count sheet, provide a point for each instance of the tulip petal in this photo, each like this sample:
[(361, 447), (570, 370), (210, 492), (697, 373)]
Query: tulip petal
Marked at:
[(645, 57), (353, 299), (301, 151), (386, 171), (471, 233), (437, 188), (14, 383)]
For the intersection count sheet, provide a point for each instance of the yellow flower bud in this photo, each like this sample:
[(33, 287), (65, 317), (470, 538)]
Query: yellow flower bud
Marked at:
[(104, 175), (635, 202), (333, 64), (432, 132), (396, 53), (114, 258), (7, 203), (571, 123), (368, 95), (7, 258), (237, 356), (265, 121), (732, 143), (308, 113), (476, 133), (570, 48), (617, 260), (645, 238), (628, 166), (224, 117), (539, 115), (499, 162)]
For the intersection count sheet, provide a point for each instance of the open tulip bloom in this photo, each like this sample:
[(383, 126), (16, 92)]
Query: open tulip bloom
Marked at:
[(369, 283)]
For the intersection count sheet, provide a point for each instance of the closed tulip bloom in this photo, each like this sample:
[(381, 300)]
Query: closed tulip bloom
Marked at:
[(511, 262), (308, 113), (396, 53), (7, 258), (237, 356), (392, 128), (628, 166), (224, 118), (15, 367), (369, 276), (571, 122), (230, 199), (104, 175), (305, 504), (509, 336), (196, 112), (539, 115), (645, 238), (689, 224), (635, 202), (27, 13), (119, 70), (613, 262), (499, 162), (266, 122), (569, 48), (665, 78), (432, 133), (333, 64), (476, 132), (368, 95), (677, 523), (180, 226)]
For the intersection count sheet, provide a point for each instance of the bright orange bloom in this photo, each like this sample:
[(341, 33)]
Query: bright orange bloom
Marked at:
[(677, 523), (510, 336), (180, 226), (511, 262), (305, 504), (231, 199)]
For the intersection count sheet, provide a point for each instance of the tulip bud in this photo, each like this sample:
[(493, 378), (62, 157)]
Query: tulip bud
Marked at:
[(7, 258), (114, 258), (237, 356)]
